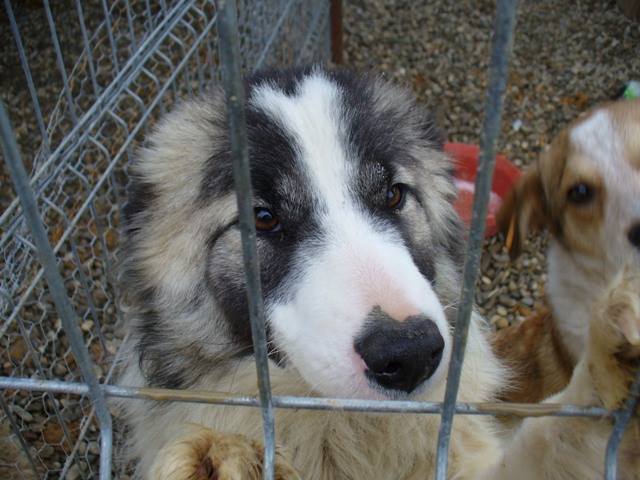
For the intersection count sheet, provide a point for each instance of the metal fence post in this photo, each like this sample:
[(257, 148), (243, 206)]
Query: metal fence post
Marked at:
[(502, 42), (229, 47), (336, 32), (622, 420), (55, 282)]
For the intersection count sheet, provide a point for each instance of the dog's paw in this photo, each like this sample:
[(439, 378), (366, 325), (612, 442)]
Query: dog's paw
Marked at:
[(614, 343), (202, 454), (618, 315)]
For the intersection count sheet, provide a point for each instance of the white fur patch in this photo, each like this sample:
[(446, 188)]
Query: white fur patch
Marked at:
[(596, 137)]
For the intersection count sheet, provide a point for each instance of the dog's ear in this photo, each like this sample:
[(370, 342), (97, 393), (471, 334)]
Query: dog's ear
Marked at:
[(529, 205), (522, 211)]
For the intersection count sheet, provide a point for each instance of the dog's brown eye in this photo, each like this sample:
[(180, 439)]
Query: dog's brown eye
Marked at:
[(580, 194), (395, 196), (266, 221)]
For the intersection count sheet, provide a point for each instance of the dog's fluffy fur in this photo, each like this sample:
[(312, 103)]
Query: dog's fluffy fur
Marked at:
[(325, 150)]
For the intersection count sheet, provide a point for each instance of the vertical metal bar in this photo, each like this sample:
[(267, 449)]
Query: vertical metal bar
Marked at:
[(501, 49), (60, 61), (212, 60), (87, 48), (311, 35), (132, 33), (193, 32), (27, 73), (336, 32), (275, 31), (622, 422), (180, 43), (56, 287), (112, 42), (149, 14), (324, 47), (229, 46)]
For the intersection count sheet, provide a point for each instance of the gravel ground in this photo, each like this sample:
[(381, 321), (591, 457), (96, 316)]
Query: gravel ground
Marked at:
[(568, 56)]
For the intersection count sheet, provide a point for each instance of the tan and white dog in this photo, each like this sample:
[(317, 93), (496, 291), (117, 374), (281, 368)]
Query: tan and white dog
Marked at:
[(585, 189), (360, 256)]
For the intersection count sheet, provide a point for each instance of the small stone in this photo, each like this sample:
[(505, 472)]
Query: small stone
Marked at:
[(22, 413), (46, 452), (94, 448), (18, 349), (74, 472), (99, 296), (507, 300), (490, 303), (501, 323), (528, 301), (502, 311), (86, 326), (112, 347), (53, 433), (501, 258)]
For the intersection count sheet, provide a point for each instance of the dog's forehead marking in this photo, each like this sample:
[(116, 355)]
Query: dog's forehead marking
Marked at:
[(313, 117), (596, 138), (627, 118)]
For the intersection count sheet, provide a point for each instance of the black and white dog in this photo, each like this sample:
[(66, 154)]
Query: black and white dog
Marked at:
[(360, 253)]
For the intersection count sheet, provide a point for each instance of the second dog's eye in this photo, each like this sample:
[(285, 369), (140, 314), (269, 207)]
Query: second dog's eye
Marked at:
[(395, 196), (265, 220), (580, 194)]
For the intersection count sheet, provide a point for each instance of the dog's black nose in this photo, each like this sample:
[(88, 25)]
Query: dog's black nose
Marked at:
[(400, 355), (634, 235)]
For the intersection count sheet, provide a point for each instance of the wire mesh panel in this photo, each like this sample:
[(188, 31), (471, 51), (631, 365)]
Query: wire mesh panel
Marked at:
[(106, 70), (96, 74)]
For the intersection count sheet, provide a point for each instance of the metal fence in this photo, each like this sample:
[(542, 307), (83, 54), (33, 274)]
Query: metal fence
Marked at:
[(60, 326)]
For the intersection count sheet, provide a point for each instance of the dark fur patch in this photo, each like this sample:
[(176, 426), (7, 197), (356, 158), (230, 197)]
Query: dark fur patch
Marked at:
[(157, 363), (270, 148), (140, 197), (167, 364), (378, 135)]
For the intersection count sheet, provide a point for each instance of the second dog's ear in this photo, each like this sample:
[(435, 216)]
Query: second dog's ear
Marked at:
[(523, 211), (529, 207)]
